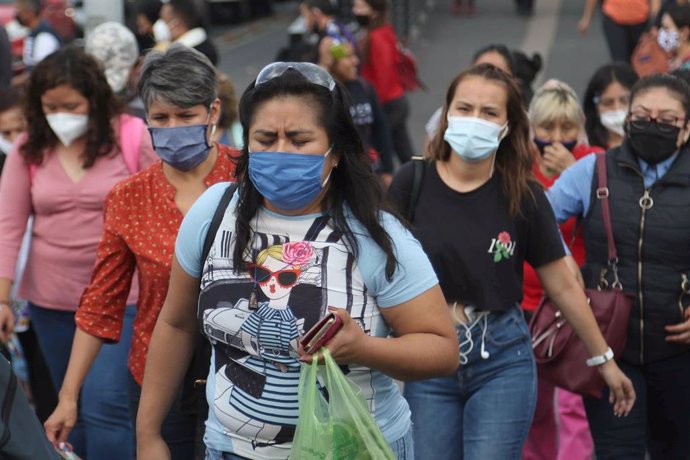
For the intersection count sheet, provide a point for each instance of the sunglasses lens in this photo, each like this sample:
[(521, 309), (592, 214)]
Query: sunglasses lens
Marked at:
[(261, 275), (312, 72), (287, 278)]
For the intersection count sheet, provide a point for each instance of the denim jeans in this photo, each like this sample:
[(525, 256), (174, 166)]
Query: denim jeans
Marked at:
[(659, 421), (103, 430), (178, 430), (403, 449), (484, 410)]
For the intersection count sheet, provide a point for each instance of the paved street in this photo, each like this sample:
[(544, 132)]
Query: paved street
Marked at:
[(444, 45)]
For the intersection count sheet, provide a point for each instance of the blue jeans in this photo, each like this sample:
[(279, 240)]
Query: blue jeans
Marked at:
[(485, 409), (403, 449), (178, 430), (103, 430)]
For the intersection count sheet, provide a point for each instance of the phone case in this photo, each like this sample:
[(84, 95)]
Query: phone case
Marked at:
[(321, 333)]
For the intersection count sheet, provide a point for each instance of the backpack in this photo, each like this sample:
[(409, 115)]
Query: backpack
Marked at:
[(21, 435), (418, 168), (408, 70), (649, 58), (130, 143)]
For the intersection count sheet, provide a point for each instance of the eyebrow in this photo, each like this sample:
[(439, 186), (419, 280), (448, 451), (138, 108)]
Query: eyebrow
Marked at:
[(291, 133), (485, 106), (649, 110)]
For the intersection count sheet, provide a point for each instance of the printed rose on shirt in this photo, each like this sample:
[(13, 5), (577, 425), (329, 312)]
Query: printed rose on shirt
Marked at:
[(502, 247), (297, 253)]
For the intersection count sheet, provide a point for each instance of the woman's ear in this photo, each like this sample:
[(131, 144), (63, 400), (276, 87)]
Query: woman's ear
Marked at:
[(214, 113)]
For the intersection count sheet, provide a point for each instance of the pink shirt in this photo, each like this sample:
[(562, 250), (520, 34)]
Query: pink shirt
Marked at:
[(68, 223)]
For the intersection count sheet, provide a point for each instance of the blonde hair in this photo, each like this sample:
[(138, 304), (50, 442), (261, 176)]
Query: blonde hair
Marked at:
[(553, 101), (275, 251)]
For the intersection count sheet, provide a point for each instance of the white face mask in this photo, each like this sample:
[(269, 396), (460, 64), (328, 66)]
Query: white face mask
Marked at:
[(5, 145), (161, 31), (613, 120), (68, 126)]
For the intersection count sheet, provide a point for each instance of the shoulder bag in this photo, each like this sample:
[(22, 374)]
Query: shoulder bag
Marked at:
[(560, 354)]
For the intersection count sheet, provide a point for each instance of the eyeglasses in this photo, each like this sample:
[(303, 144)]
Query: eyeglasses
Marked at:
[(610, 102), (286, 277), (666, 124), (312, 72)]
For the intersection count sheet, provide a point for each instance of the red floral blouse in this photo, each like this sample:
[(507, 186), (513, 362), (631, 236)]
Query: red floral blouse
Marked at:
[(141, 222)]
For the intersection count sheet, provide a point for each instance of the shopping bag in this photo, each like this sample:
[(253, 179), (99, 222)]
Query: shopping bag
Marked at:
[(341, 428)]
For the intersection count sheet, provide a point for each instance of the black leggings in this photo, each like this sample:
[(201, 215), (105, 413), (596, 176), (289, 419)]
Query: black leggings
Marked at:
[(622, 39)]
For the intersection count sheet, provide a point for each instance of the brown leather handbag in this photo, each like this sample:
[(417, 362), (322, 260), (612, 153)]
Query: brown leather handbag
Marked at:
[(560, 354)]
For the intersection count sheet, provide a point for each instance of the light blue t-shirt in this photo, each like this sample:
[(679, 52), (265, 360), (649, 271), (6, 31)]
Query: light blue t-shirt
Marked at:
[(299, 267)]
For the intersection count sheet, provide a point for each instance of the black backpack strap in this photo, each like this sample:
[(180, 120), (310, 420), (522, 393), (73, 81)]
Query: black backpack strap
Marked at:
[(192, 400), (216, 221), (419, 165)]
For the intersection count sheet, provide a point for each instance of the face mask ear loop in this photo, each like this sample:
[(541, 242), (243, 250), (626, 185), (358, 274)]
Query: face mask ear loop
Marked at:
[(323, 184), (493, 160)]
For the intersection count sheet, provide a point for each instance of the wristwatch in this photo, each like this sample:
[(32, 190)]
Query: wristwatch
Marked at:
[(601, 359)]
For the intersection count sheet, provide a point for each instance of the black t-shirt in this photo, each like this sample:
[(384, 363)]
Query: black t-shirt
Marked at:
[(475, 246)]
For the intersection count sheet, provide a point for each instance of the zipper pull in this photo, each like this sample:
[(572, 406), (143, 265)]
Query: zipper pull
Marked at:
[(646, 202)]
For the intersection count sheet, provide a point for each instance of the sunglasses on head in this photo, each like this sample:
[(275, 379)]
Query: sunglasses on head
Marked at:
[(286, 277), (312, 72)]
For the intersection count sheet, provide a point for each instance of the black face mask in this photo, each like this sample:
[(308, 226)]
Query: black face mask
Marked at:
[(21, 21), (652, 145), (541, 145), (363, 20)]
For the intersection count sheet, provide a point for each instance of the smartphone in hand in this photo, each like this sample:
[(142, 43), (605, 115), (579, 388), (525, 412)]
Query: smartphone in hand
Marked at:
[(321, 333)]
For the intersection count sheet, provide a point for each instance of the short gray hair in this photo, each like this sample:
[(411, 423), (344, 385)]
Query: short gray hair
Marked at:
[(180, 76)]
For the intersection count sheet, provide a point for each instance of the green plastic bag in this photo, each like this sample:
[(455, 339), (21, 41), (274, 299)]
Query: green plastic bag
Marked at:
[(341, 428)]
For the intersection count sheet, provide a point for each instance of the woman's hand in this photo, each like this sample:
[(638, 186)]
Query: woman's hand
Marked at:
[(557, 158), (61, 421), (152, 447), (346, 345), (680, 333), (583, 25), (6, 322), (621, 391)]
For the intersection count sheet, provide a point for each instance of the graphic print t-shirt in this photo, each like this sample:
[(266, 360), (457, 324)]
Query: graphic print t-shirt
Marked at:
[(476, 247), (299, 267)]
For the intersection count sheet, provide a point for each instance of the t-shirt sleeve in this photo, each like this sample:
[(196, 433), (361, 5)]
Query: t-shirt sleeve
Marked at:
[(544, 242), (44, 44), (192, 234), (413, 274)]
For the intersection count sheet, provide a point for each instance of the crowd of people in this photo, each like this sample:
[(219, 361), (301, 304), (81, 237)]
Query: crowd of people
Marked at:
[(164, 243)]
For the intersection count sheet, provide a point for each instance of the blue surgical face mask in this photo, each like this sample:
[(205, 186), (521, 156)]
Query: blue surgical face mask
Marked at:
[(182, 147), (289, 181), (474, 139)]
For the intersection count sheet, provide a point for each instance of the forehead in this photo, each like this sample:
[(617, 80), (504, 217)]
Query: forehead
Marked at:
[(657, 99), (615, 89), (162, 106), (480, 91), (287, 112), (61, 92), (494, 58)]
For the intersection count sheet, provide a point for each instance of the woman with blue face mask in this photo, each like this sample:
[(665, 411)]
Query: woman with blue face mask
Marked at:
[(305, 234), (142, 217), (480, 215)]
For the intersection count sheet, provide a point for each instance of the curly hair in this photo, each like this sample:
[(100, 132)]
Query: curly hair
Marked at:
[(73, 67), (513, 157)]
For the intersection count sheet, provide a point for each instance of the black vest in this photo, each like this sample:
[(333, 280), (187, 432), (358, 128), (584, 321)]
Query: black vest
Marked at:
[(653, 247)]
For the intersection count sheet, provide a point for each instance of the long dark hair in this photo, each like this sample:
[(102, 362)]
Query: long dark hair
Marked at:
[(353, 190), (73, 67), (513, 157), (620, 72)]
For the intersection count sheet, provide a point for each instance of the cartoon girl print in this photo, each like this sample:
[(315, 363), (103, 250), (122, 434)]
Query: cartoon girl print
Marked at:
[(263, 365)]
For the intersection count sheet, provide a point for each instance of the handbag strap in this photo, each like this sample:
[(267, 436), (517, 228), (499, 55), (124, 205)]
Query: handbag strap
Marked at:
[(603, 196)]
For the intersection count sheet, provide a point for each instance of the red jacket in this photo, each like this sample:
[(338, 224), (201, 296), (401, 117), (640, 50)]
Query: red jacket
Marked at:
[(381, 64), (531, 287)]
